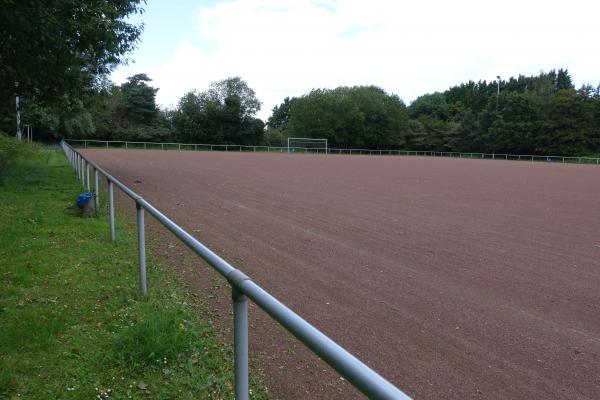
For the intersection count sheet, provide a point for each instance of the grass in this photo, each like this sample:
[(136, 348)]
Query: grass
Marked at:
[(72, 324), (10, 151)]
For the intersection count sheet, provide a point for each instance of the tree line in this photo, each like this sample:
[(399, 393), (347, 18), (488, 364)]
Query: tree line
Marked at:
[(61, 79), (541, 114)]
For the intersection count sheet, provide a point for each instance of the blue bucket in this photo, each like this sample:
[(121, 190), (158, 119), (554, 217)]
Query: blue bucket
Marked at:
[(83, 199)]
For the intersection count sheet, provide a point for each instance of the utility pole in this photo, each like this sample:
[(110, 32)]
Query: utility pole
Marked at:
[(498, 92), (18, 111)]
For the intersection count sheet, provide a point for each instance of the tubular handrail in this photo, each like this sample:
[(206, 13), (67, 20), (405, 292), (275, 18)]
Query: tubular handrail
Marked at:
[(333, 150), (351, 368)]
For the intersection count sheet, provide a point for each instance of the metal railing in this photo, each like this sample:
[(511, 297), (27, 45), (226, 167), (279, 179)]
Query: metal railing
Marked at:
[(243, 288), (284, 149)]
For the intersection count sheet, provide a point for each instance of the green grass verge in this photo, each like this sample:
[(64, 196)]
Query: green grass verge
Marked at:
[(72, 324), (10, 151)]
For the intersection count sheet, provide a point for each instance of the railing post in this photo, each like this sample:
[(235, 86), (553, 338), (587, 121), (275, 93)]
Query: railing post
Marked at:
[(111, 209), (141, 248), (240, 334), (96, 189), (240, 315), (87, 174)]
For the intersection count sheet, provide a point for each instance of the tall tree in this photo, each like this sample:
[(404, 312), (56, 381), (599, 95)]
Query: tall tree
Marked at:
[(222, 114), (236, 90), (129, 112), (359, 116), (58, 51), (138, 99), (280, 115), (563, 80)]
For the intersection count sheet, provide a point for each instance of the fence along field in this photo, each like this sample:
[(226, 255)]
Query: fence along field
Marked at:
[(243, 288), (324, 149)]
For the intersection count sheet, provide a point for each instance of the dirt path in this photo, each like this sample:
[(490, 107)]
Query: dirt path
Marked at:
[(467, 279)]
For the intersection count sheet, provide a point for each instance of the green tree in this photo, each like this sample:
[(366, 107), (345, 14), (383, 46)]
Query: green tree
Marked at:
[(563, 126), (60, 49), (431, 105), (513, 127), (222, 114), (277, 122), (238, 94), (541, 114), (138, 99), (129, 112), (563, 80), (359, 116)]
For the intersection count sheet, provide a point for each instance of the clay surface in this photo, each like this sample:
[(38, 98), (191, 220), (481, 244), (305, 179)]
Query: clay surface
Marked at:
[(454, 279)]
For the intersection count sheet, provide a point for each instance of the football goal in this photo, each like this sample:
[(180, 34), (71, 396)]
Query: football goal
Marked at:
[(306, 145)]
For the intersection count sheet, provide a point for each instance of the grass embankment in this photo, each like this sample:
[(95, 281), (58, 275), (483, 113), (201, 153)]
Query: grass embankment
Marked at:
[(72, 324)]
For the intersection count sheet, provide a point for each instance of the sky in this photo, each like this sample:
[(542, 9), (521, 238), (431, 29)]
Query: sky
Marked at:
[(288, 47)]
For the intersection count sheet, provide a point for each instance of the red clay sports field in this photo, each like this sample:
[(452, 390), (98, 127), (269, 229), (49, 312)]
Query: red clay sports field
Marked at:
[(453, 278)]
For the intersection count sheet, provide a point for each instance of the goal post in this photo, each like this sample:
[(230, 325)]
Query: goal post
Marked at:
[(307, 145)]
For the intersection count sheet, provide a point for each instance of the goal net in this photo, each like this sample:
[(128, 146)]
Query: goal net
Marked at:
[(306, 145)]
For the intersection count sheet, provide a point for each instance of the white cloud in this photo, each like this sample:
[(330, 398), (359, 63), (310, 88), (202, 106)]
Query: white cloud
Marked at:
[(287, 47)]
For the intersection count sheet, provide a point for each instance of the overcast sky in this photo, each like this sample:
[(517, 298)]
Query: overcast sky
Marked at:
[(288, 47)]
